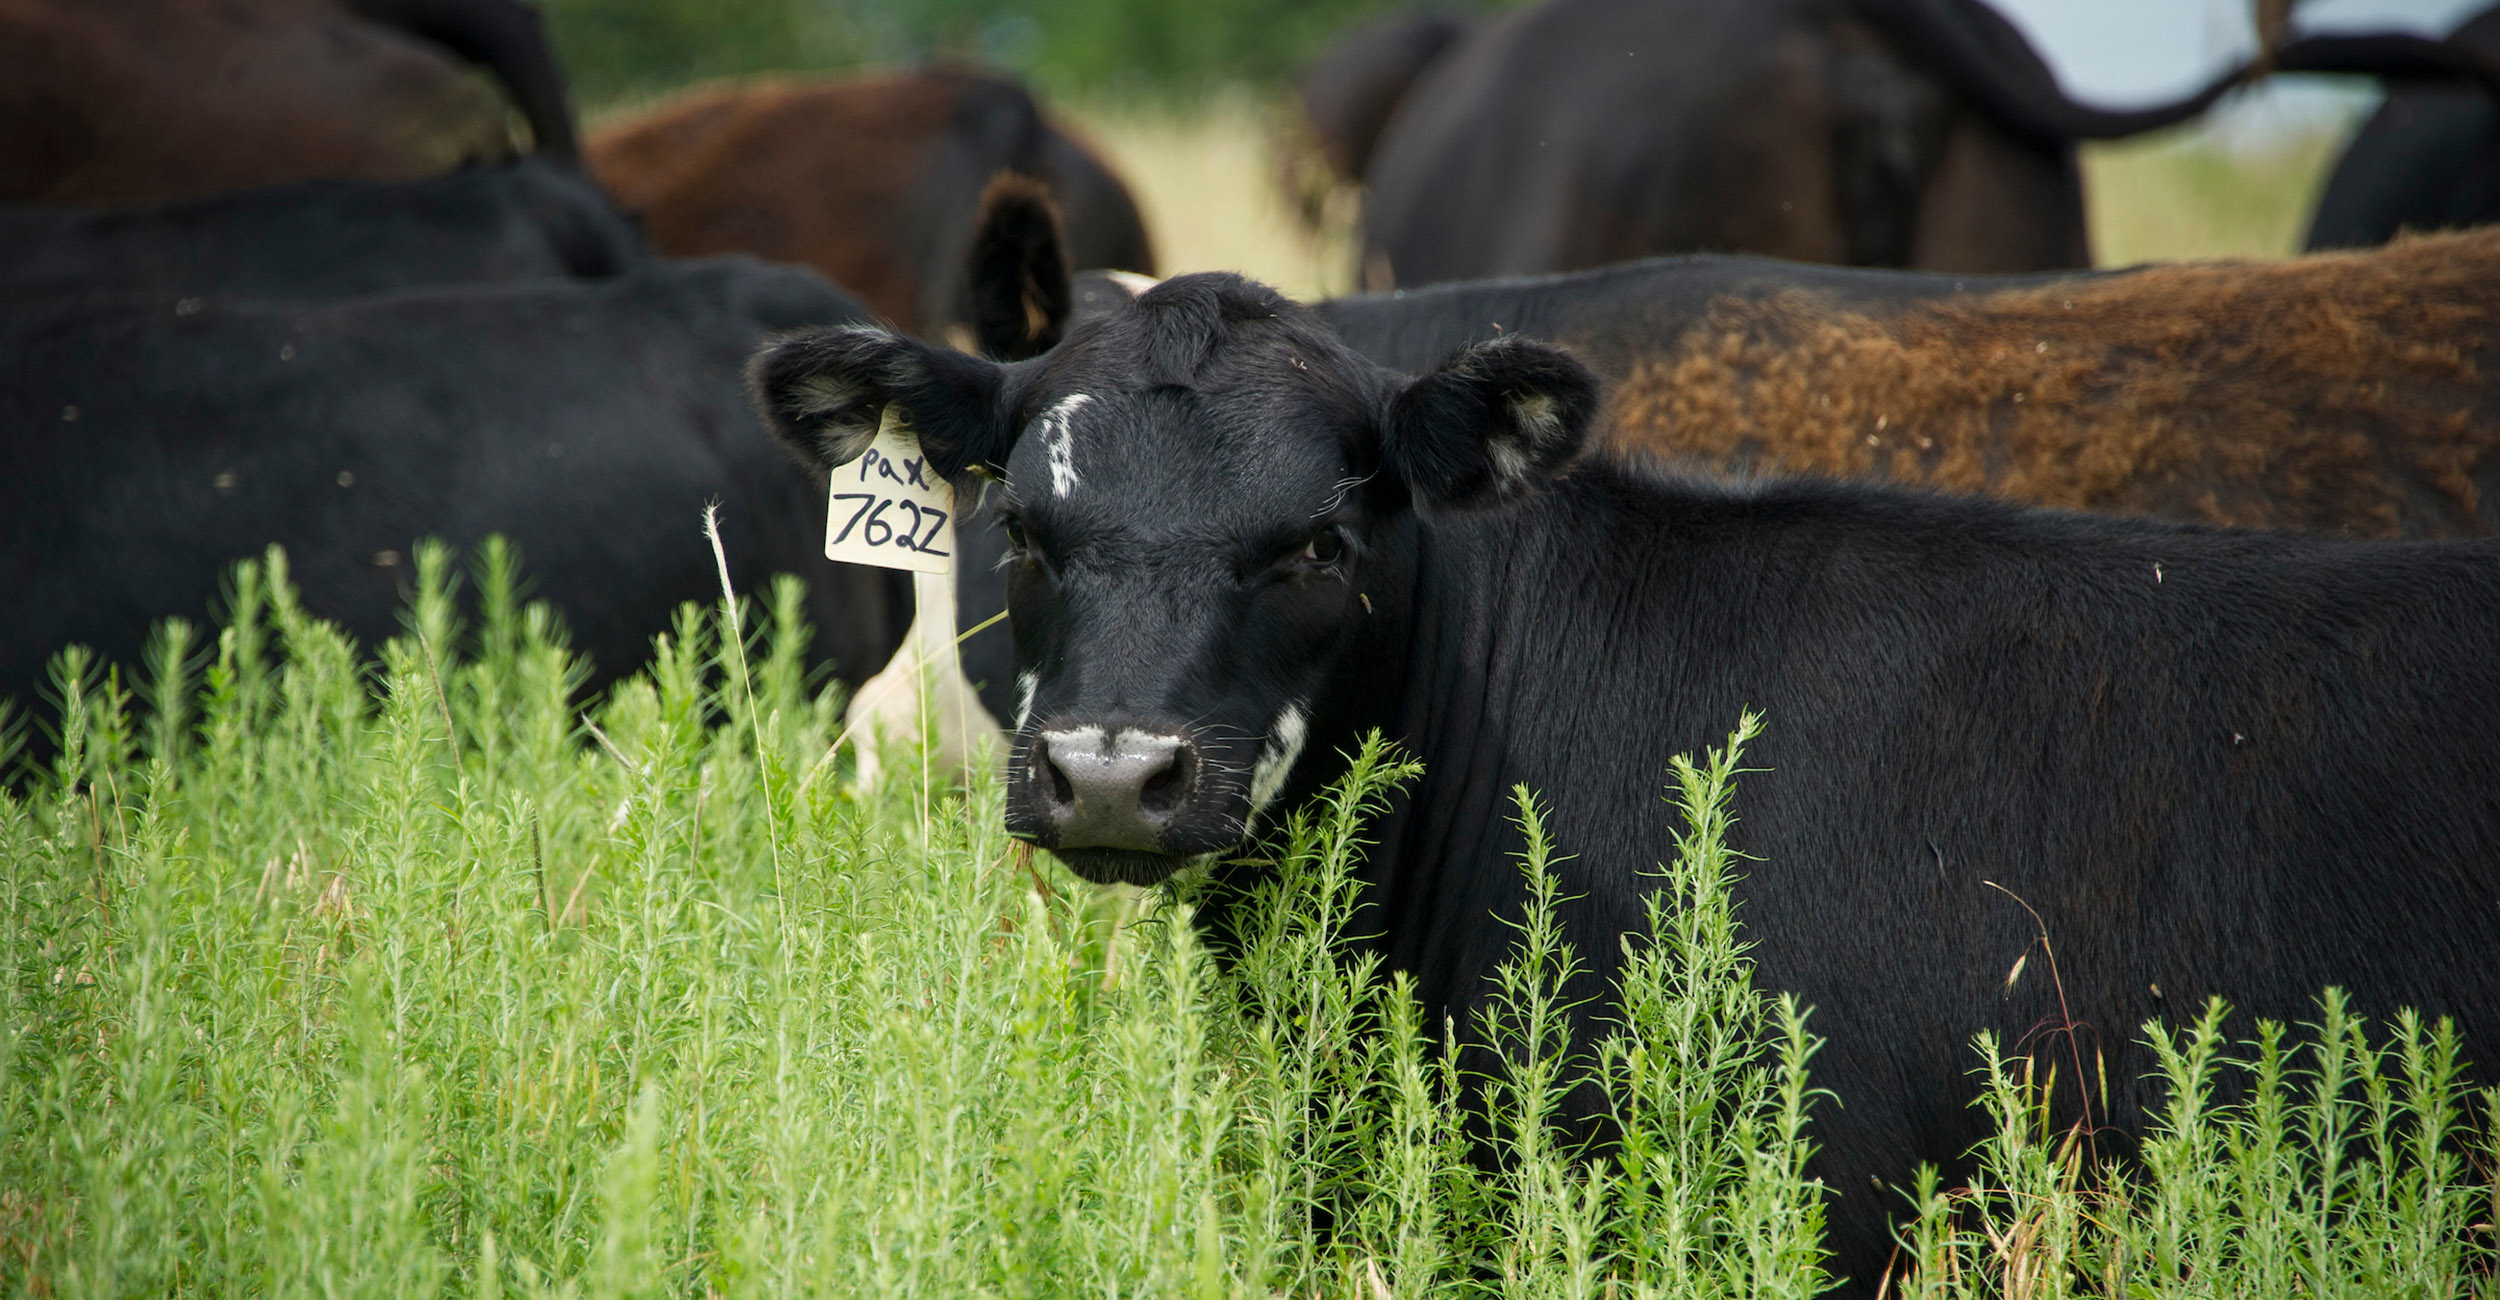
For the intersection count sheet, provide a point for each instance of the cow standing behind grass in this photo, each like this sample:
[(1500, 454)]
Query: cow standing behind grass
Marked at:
[(2207, 762)]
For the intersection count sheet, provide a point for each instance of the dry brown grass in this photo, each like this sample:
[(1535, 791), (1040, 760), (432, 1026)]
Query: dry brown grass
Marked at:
[(1207, 182), (2181, 196)]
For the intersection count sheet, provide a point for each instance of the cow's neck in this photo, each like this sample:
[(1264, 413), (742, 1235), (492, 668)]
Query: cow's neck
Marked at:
[(1505, 629)]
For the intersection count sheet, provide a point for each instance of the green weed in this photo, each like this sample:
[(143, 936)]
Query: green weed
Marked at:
[(326, 973)]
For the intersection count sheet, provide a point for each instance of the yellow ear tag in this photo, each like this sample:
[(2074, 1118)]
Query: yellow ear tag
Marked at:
[(890, 508)]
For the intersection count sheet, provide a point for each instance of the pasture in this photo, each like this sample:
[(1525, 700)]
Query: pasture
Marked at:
[(385, 971), (402, 969)]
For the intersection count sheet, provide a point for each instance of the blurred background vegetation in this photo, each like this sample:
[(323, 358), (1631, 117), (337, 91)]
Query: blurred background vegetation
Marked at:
[(1132, 50)]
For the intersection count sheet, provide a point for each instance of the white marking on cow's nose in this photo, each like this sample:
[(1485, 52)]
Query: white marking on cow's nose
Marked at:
[(1058, 432), (1277, 757), (1094, 739), (1026, 684)]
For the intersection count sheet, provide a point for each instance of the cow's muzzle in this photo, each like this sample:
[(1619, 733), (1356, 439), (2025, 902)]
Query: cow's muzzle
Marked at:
[(1099, 789)]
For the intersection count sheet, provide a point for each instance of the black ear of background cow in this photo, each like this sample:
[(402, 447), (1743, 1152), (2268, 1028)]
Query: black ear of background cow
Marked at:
[(823, 392), (1491, 423), (1021, 289)]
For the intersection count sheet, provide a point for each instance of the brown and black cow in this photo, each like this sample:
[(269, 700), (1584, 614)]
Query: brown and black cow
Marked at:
[(133, 102), (874, 181), (2346, 393)]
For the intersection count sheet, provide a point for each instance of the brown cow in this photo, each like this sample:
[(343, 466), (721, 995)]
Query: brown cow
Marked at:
[(2343, 392), (873, 181), (113, 102)]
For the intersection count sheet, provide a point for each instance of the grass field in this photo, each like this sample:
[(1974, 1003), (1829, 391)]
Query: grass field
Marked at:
[(327, 976)]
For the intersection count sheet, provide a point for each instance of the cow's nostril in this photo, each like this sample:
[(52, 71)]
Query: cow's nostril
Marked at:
[(1165, 787), (1055, 788)]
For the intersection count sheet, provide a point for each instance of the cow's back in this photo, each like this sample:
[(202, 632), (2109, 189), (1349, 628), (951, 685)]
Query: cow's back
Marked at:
[(148, 447), (2343, 394), (146, 101), (528, 219)]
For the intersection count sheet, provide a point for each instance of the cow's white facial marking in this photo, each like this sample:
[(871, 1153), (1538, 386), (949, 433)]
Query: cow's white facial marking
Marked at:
[(1026, 683), (1058, 435), (1130, 738), (1080, 738), (1277, 757)]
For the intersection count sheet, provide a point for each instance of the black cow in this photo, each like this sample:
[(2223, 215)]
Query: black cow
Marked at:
[(1345, 98), (146, 445), (2216, 762), (328, 238), (1905, 133), (2429, 158)]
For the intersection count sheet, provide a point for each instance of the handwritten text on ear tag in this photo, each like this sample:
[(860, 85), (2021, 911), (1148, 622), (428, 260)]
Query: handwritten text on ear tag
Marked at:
[(890, 508)]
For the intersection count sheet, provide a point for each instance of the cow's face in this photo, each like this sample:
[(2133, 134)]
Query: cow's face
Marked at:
[(1199, 490)]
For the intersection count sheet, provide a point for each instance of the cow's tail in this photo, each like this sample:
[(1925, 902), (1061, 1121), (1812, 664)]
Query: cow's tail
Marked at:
[(506, 38), (1976, 51), (2392, 56)]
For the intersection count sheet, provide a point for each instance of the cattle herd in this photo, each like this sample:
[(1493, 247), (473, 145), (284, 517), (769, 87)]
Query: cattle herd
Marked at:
[(1720, 356)]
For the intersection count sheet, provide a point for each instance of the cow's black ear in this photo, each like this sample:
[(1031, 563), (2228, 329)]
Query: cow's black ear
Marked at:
[(1491, 424), (1021, 289), (824, 391)]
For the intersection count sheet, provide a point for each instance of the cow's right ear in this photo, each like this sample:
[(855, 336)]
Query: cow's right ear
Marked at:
[(824, 391)]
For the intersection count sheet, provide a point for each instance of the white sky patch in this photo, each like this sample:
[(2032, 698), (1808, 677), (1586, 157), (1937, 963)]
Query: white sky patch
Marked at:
[(1277, 757), (1059, 441)]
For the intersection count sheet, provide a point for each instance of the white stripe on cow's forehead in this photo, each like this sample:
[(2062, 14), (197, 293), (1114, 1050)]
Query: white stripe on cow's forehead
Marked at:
[(1057, 430)]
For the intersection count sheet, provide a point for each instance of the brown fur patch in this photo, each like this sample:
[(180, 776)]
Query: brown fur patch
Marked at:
[(823, 174), (144, 103), (2341, 392)]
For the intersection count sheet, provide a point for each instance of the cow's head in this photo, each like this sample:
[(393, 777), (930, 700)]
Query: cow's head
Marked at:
[(1202, 492)]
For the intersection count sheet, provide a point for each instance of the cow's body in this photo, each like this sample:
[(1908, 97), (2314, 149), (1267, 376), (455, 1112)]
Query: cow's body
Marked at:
[(2347, 394), (2217, 764), (146, 445), (533, 218), (2428, 158), (1346, 97), (873, 181), (2214, 762), (114, 102), (1576, 133)]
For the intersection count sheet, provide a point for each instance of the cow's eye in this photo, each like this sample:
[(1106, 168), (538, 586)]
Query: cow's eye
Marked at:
[(1325, 550), (1015, 533)]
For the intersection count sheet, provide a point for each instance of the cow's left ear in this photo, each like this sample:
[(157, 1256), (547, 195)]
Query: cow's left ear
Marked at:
[(824, 391), (1491, 424)]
